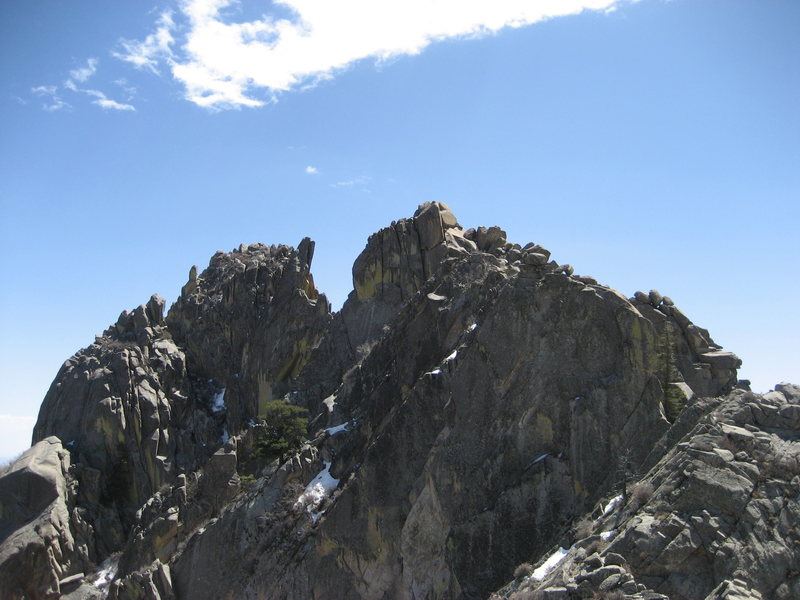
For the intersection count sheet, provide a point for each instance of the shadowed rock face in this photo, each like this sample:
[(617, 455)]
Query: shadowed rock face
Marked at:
[(469, 401)]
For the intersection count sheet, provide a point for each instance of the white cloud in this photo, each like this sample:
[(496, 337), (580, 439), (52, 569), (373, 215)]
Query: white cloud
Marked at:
[(44, 90), (312, 170), (83, 73), (112, 104), (360, 180), (53, 100), (80, 75), (157, 45), (130, 91), (15, 435), (104, 102), (227, 64)]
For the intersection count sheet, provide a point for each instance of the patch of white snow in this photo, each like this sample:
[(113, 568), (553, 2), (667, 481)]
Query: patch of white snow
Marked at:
[(436, 371), (548, 565), (607, 535), (218, 402), (612, 504), (452, 356), (330, 402), (538, 460), (107, 573), (316, 491), (473, 327), (337, 429)]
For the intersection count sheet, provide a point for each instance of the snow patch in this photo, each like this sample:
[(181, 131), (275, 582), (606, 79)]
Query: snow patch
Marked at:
[(107, 573), (322, 486), (330, 402), (548, 565), (337, 429), (452, 356), (612, 504), (607, 535), (473, 327), (436, 371), (218, 402), (538, 460)]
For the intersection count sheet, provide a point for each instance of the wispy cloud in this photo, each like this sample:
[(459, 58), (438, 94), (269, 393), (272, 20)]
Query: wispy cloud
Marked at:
[(83, 73), (355, 181), (227, 64), (103, 101), (130, 91), (312, 170), (53, 101), (156, 46)]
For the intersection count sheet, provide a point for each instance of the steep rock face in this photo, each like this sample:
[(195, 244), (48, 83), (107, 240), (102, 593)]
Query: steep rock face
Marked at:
[(689, 354), (249, 323), (395, 264), (121, 407), (466, 452), (152, 399), (466, 404), (456, 437)]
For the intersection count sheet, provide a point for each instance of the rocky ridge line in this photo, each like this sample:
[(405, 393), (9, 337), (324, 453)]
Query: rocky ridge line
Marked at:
[(481, 374)]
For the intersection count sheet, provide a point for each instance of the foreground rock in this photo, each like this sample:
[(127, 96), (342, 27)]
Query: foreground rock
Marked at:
[(44, 542), (716, 518)]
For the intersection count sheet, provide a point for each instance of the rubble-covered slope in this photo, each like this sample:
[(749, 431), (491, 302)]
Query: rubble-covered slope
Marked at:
[(718, 517), (467, 404)]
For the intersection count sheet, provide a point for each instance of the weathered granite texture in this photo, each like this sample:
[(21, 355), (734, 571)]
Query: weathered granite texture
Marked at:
[(718, 517), (467, 404)]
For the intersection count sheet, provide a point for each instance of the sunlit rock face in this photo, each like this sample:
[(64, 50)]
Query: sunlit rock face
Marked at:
[(471, 402)]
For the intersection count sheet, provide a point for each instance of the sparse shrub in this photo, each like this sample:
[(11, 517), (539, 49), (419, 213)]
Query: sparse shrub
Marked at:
[(523, 570), (641, 493), (6, 465), (583, 528), (595, 546), (674, 402), (285, 430)]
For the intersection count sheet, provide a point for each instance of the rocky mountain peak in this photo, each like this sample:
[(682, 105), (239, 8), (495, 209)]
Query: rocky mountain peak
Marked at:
[(467, 406)]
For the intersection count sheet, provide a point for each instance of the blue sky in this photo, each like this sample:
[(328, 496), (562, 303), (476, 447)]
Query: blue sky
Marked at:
[(650, 144)]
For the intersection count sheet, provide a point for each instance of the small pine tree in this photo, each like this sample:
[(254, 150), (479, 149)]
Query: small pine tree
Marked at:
[(625, 472), (673, 401), (286, 426)]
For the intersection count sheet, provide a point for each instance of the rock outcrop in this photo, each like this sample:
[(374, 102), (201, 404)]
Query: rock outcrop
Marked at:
[(45, 544), (716, 518), (466, 407)]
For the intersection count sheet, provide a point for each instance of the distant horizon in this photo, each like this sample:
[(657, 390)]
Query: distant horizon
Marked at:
[(651, 144)]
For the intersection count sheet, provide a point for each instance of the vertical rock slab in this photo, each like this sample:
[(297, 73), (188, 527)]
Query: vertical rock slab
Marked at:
[(41, 540)]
